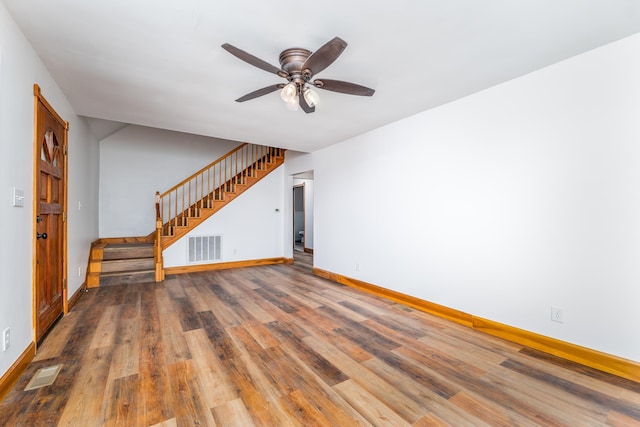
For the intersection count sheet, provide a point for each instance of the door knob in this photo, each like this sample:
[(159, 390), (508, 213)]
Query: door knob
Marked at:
[(41, 236)]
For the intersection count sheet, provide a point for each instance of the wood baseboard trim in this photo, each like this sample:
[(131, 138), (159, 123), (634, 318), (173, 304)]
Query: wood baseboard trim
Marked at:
[(585, 356), (308, 250), (429, 307), (11, 376), (224, 265), (76, 296)]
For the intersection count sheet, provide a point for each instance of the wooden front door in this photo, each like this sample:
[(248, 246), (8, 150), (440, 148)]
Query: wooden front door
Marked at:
[(50, 190)]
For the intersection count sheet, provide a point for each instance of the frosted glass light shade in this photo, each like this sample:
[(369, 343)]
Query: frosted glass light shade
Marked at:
[(311, 97), (288, 92)]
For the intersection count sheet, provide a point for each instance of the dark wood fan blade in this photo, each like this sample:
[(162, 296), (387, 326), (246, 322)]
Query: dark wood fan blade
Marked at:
[(250, 59), (343, 87), (303, 104), (323, 57), (260, 92)]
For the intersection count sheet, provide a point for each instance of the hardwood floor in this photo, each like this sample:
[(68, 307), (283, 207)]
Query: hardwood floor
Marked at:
[(277, 346)]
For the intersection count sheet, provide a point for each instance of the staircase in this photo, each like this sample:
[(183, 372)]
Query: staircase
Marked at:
[(198, 197), (115, 261), (178, 211)]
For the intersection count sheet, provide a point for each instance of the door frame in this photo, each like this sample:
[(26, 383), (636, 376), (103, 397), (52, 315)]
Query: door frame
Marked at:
[(304, 215), (38, 98)]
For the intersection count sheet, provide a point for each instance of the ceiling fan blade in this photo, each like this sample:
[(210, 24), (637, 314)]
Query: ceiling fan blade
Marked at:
[(323, 57), (303, 104), (256, 62), (343, 87), (260, 92)]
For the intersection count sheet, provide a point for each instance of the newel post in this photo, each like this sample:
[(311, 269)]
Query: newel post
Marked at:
[(157, 246)]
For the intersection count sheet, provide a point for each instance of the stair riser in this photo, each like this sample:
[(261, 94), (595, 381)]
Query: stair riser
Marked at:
[(127, 253), (127, 279), (127, 265)]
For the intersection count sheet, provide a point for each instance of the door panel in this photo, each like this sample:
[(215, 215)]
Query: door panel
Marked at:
[(49, 295)]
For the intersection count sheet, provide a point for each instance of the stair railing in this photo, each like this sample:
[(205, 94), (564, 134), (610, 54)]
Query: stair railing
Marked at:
[(210, 183), (204, 188)]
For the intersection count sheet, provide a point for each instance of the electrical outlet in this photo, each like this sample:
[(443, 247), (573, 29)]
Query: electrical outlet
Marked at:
[(557, 314), (6, 339), (79, 271)]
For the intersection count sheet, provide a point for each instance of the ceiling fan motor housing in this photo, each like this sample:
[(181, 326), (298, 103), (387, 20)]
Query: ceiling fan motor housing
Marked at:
[(292, 60)]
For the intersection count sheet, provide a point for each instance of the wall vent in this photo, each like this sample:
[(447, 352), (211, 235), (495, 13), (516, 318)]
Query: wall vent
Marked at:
[(204, 248)]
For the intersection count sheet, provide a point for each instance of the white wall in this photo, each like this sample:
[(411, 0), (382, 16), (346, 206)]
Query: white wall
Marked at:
[(137, 161), (504, 203), (82, 218), (20, 68), (252, 226)]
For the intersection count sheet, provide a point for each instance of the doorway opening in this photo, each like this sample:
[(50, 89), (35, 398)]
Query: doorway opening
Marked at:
[(302, 220), (298, 218)]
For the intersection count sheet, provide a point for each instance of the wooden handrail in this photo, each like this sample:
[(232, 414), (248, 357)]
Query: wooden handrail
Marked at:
[(209, 166)]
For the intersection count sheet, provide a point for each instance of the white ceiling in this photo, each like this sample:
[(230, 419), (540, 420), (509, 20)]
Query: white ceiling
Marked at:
[(159, 63)]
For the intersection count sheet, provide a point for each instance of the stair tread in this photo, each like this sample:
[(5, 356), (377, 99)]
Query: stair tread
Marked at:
[(117, 246), (125, 260), (127, 273)]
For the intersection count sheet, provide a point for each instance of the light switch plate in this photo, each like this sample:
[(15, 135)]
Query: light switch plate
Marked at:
[(17, 198), (6, 339)]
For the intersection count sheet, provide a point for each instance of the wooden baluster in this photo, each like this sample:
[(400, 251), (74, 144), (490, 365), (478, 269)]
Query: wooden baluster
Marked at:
[(244, 161), (232, 172), (209, 184), (158, 217), (175, 213)]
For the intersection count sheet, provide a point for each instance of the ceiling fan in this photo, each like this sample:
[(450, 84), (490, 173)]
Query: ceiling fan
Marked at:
[(299, 66)]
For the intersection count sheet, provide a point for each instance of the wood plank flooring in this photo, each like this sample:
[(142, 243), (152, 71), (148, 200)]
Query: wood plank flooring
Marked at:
[(277, 346)]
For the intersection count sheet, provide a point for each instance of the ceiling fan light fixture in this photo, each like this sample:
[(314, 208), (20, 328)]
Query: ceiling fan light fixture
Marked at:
[(289, 92), (311, 96)]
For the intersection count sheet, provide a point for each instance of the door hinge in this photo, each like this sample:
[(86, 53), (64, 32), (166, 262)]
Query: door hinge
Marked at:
[(64, 216), (64, 283), (65, 150)]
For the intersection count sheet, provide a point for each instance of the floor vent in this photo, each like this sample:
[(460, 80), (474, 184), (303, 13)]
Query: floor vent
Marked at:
[(43, 377), (205, 248)]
